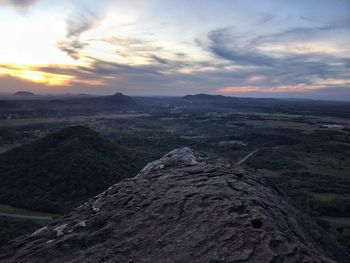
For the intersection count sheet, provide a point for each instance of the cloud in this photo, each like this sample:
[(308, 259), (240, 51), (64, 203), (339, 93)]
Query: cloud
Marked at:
[(267, 90), (263, 57), (22, 6), (279, 67), (72, 47), (224, 46), (76, 24), (12, 84), (265, 19), (303, 33), (107, 69), (330, 93)]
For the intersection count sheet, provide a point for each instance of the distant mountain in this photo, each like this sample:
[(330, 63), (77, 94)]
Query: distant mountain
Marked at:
[(68, 105), (75, 95), (185, 207), (207, 98), (24, 93), (204, 96), (62, 169), (116, 99)]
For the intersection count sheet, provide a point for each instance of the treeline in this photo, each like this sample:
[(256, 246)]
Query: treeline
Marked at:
[(63, 169), (300, 187)]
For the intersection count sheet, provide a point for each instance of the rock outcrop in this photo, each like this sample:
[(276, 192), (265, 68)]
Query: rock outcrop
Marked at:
[(185, 207)]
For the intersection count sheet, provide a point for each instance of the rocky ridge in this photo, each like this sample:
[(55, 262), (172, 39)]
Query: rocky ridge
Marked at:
[(185, 207)]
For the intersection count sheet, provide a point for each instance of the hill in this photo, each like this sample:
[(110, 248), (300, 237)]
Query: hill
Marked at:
[(24, 93), (185, 207), (207, 98), (116, 99), (62, 170), (69, 105)]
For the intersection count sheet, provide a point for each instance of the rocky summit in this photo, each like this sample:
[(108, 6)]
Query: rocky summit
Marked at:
[(185, 207)]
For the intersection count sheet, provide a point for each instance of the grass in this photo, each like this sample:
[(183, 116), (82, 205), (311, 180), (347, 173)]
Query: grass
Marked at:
[(325, 165), (72, 119)]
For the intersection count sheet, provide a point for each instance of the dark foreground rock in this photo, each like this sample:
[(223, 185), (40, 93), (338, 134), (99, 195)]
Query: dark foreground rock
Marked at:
[(185, 207)]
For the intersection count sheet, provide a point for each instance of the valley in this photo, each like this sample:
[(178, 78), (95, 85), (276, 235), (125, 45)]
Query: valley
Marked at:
[(284, 140)]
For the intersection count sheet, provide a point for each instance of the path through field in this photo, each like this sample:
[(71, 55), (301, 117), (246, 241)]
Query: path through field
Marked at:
[(247, 157)]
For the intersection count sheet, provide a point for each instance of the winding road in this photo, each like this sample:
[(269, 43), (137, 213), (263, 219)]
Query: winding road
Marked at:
[(44, 218), (247, 157)]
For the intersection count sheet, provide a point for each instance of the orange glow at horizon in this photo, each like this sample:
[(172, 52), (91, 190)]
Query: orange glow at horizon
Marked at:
[(140, 45), (27, 72), (281, 88)]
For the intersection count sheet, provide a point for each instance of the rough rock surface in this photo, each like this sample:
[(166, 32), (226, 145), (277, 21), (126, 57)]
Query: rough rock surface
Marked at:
[(185, 207)]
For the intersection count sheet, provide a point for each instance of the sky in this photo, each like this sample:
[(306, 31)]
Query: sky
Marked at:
[(265, 48)]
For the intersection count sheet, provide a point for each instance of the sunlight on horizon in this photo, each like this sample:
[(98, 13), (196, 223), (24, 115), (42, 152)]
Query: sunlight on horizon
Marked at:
[(61, 43)]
